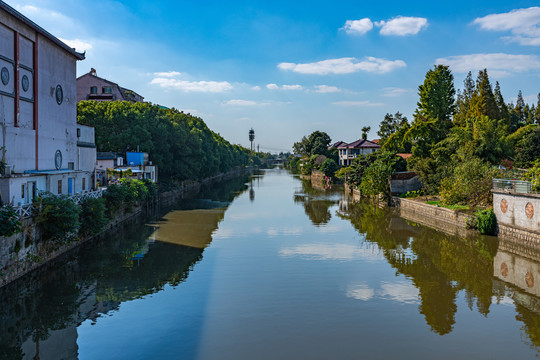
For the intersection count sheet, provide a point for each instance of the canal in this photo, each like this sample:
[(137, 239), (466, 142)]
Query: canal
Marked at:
[(267, 267)]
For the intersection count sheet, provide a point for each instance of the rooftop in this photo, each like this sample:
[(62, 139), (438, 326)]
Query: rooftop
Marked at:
[(360, 144)]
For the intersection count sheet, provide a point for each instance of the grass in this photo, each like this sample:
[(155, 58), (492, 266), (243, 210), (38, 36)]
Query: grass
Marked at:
[(451, 207)]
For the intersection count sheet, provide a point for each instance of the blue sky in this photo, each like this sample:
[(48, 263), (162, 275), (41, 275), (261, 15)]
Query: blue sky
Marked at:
[(287, 68)]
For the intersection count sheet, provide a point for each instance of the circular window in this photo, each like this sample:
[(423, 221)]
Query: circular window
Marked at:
[(25, 83), (58, 159), (59, 94), (5, 75), (504, 269), (504, 206)]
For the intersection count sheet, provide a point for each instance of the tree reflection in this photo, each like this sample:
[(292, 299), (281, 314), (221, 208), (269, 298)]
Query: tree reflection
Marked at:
[(315, 202), (95, 279), (439, 265)]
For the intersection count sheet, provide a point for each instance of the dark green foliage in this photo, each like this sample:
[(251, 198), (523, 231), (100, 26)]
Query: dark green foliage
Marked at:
[(181, 145), (127, 194), (390, 125), (9, 221), (316, 143), (58, 216), (114, 199), (486, 222), (329, 167), (469, 183), (92, 217), (294, 164), (528, 149)]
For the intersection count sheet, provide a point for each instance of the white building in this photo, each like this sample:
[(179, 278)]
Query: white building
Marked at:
[(348, 152), (43, 148)]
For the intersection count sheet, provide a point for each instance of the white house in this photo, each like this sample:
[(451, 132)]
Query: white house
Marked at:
[(348, 152), (43, 148)]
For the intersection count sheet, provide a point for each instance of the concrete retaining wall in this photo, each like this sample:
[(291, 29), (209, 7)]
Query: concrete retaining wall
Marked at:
[(518, 216), (446, 220)]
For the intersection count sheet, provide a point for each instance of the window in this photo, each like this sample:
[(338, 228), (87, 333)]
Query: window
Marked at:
[(93, 90), (22, 191), (59, 186), (84, 183), (106, 90), (71, 165)]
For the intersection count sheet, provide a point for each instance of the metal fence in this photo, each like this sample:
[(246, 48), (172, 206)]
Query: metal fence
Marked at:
[(517, 186), (27, 210)]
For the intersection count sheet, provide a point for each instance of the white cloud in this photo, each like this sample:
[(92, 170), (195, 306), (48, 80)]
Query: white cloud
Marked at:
[(345, 66), (192, 86), (167, 74), (402, 25), (400, 291), (357, 27), (323, 89), (361, 292), (78, 44), (244, 103), (524, 24), (284, 87), (329, 252), (256, 88), (357, 103), (394, 91), (498, 64), (292, 87)]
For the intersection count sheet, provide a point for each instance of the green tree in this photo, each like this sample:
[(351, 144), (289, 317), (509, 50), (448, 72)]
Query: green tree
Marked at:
[(464, 100), (317, 143), (365, 131), (528, 149), (433, 116), (483, 101), (329, 167), (520, 108), (390, 125)]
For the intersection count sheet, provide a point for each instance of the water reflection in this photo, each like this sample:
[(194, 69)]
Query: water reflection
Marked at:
[(316, 202), (40, 313)]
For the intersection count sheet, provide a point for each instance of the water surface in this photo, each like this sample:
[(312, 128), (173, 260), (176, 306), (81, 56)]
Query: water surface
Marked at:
[(268, 267)]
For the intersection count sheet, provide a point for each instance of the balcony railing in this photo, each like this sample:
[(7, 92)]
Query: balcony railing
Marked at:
[(27, 210), (517, 186)]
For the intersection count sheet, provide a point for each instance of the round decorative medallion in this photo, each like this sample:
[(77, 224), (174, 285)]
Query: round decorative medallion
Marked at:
[(504, 269), (59, 95), (5, 75), (58, 159), (529, 210), (529, 278), (25, 83), (504, 206)]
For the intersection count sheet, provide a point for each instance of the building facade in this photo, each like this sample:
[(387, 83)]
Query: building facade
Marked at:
[(348, 152), (92, 87), (38, 114)]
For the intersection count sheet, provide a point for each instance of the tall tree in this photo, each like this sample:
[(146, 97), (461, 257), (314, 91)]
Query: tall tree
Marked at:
[(520, 107), (537, 111), (483, 101), (499, 100), (433, 116), (365, 131), (464, 100), (390, 125), (316, 143)]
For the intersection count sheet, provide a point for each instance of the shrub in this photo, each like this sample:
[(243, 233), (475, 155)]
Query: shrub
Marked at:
[(58, 216), (9, 221), (151, 187), (486, 222), (470, 183), (114, 196), (92, 216), (329, 167)]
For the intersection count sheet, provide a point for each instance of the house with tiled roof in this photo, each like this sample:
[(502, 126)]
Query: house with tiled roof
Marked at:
[(348, 152), (92, 87)]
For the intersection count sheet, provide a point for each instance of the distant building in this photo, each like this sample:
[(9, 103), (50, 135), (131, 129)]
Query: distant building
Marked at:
[(43, 148), (348, 152), (137, 164), (92, 87)]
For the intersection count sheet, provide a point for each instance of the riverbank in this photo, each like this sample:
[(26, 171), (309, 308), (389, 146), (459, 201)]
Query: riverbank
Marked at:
[(25, 252)]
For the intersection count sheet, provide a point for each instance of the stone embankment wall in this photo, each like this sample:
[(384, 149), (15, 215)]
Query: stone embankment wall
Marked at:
[(518, 216), (447, 220), (26, 251)]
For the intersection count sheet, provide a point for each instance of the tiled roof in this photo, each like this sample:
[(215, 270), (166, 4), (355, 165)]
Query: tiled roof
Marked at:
[(360, 144), (404, 155)]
